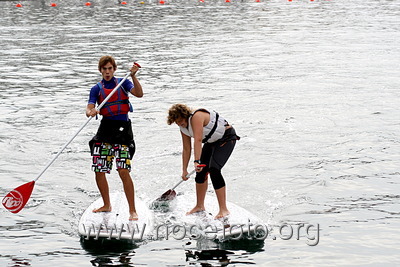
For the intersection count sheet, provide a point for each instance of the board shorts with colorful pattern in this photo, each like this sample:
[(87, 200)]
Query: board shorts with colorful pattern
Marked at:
[(103, 157)]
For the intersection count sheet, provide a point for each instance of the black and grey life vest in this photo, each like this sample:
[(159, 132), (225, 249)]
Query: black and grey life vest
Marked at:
[(213, 131)]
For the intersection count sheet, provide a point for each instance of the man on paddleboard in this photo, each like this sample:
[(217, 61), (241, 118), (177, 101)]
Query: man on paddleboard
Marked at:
[(114, 137), (219, 138)]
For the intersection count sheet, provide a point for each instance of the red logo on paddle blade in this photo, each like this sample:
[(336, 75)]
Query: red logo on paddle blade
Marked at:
[(13, 201), (17, 198)]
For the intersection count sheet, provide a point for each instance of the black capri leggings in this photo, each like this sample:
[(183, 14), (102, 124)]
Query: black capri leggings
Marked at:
[(215, 155)]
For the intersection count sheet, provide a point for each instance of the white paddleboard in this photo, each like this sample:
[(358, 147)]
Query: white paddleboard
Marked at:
[(116, 224), (239, 224)]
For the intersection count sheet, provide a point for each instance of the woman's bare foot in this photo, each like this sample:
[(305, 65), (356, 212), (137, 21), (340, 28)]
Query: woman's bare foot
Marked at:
[(222, 215), (195, 209), (102, 209), (133, 216)]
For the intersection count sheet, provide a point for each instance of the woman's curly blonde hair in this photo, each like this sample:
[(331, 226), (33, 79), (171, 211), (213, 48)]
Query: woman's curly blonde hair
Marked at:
[(178, 111)]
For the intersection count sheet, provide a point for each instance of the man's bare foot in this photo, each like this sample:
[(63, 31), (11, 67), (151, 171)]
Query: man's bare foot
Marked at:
[(102, 209), (195, 209), (133, 216)]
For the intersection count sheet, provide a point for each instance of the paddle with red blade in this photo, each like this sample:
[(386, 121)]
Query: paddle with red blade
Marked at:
[(15, 200)]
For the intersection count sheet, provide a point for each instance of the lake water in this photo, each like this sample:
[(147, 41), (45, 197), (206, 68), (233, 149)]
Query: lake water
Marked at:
[(312, 87)]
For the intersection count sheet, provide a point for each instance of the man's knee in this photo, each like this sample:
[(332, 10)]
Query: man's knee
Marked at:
[(124, 174), (100, 175)]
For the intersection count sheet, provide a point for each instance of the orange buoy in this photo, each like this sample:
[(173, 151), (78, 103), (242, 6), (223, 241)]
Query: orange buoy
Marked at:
[(53, 4), (18, 5), (162, 2), (88, 4), (123, 3)]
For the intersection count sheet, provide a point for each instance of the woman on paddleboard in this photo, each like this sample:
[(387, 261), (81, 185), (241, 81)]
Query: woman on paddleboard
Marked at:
[(114, 137), (219, 138)]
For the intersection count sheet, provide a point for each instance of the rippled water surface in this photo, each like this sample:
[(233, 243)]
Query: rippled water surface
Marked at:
[(312, 87)]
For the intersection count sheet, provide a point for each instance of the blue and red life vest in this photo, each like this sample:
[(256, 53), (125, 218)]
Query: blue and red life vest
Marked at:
[(117, 104)]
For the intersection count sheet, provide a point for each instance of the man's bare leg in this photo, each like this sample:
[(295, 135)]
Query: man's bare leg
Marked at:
[(102, 184), (129, 192)]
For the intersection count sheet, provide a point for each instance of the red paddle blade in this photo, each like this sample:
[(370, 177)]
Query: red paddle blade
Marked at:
[(17, 198)]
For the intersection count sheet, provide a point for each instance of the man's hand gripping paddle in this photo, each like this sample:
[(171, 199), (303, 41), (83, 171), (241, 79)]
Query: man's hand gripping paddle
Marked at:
[(15, 200)]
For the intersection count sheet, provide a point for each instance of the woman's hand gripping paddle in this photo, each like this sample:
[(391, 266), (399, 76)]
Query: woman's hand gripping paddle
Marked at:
[(15, 200)]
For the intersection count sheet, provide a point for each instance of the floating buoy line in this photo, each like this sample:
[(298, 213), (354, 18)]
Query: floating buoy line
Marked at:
[(162, 2)]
